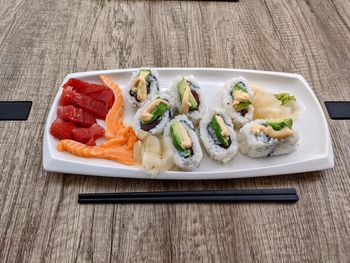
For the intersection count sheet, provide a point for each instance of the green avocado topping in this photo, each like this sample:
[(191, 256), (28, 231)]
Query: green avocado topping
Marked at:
[(284, 98), (217, 129), (144, 73), (278, 125), (239, 86), (244, 104), (181, 86), (175, 133), (157, 112)]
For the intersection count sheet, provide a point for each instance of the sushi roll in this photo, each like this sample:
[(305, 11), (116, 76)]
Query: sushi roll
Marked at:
[(154, 115), (264, 138), (217, 135), (188, 98), (183, 142), (144, 85), (237, 100)]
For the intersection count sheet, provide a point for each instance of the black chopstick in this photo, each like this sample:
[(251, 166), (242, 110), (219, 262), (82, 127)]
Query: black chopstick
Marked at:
[(274, 191), (242, 195)]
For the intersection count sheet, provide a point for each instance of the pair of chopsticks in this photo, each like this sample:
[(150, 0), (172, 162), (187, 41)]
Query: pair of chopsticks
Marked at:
[(223, 196)]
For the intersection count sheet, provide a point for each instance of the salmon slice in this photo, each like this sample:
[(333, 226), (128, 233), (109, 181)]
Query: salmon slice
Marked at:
[(115, 142), (119, 154), (114, 119), (131, 141), (124, 136), (132, 138)]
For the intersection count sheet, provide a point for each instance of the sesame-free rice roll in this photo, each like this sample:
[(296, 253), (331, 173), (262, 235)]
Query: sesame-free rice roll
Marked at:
[(264, 138), (154, 115), (218, 136), (237, 100), (144, 85), (188, 98), (183, 143)]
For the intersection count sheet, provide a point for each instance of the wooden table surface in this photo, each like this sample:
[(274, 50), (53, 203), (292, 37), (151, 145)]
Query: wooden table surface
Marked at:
[(42, 41)]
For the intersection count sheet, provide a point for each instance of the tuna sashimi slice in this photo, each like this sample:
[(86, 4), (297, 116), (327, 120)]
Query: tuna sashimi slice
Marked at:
[(62, 129), (95, 107), (76, 115), (95, 91), (88, 135)]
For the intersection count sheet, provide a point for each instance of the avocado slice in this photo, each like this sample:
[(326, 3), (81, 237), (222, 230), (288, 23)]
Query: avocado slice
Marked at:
[(144, 73), (284, 98), (176, 135), (278, 125), (157, 112), (242, 105), (181, 87), (217, 129), (239, 86)]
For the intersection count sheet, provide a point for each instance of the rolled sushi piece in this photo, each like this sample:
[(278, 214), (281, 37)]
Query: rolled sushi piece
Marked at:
[(264, 138), (154, 115), (188, 98), (144, 85), (183, 143), (237, 100), (217, 135)]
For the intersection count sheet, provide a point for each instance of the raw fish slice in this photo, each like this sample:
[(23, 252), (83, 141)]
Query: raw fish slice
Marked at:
[(95, 91), (82, 135), (88, 135), (118, 140), (97, 131), (123, 136), (114, 119), (95, 107), (132, 140), (118, 154), (62, 129), (76, 115)]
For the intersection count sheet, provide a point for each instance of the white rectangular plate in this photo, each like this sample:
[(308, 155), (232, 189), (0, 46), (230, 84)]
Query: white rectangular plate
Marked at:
[(313, 153)]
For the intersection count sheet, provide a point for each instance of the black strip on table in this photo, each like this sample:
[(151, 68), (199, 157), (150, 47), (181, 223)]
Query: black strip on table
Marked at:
[(15, 110), (338, 110)]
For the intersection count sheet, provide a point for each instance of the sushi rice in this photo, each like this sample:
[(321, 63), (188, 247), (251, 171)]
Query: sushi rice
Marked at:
[(211, 144), (166, 117), (227, 100), (183, 163), (260, 145), (195, 115), (152, 85)]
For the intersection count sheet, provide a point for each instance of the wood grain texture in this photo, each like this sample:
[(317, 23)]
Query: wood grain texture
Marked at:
[(42, 41)]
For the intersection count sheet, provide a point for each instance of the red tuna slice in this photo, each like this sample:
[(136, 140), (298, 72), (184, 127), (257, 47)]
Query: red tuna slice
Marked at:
[(76, 115), (95, 107), (95, 91), (96, 131), (62, 129), (88, 135)]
